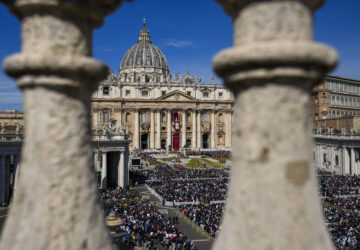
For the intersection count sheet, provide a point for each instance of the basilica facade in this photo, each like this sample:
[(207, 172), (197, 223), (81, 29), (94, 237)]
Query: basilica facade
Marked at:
[(159, 110)]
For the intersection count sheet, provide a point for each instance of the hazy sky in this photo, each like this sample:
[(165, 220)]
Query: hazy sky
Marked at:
[(190, 33)]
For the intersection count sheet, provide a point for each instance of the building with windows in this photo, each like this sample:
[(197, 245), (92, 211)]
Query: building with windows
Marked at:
[(336, 97), (160, 110)]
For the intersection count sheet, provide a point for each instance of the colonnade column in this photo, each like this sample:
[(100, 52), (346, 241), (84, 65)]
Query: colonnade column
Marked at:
[(2, 178), (158, 129), (228, 133), (193, 140), (346, 161), (136, 129), (213, 144), (121, 171), (353, 165), (198, 130), (183, 133), (168, 138), (272, 59), (152, 129), (104, 170)]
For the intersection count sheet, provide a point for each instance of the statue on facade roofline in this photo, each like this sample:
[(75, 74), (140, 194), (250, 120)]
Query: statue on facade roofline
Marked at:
[(3, 128), (176, 77), (212, 80), (18, 127), (198, 79)]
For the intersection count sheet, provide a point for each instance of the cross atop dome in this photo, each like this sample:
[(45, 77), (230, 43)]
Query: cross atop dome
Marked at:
[(144, 35)]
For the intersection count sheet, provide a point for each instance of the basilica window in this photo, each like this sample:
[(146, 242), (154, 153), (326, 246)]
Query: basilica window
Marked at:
[(127, 117), (147, 79), (144, 93), (105, 90), (163, 93), (127, 92), (188, 93), (105, 117), (205, 94), (220, 95), (143, 117), (205, 118)]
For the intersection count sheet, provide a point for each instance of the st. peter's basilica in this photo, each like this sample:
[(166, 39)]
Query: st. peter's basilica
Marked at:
[(158, 110)]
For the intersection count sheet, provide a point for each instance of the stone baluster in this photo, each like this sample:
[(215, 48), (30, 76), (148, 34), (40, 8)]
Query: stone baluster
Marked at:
[(272, 197), (55, 206)]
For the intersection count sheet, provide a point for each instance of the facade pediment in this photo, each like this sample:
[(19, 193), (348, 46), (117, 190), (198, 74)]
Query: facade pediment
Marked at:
[(176, 96)]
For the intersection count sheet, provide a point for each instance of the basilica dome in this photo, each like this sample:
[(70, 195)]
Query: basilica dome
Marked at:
[(145, 55)]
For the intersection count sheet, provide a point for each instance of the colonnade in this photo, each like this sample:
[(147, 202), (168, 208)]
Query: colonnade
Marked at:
[(7, 175), (101, 165)]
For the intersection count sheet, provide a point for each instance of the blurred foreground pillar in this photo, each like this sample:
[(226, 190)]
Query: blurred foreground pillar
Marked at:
[(55, 203), (273, 201)]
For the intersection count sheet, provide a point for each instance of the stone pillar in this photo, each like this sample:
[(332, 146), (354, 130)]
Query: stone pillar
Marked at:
[(353, 166), (213, 144), (158, 129), (136, 130), (183, 133), (121, 171), (57, 75), (193, 140), (228, 126), (168, 138), (198, 130), (104, 170), (2, 178), (346, 161), (95, 117), (271, 70), (119, 115), (152, 129)]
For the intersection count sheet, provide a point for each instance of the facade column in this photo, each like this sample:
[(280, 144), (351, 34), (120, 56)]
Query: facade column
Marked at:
[(353, 166), (119, 112), (104, 170), (168, 139), (273, 57), (158, 129), (2, 178), (228, 126), (193, 140), (183, 134), (57, 75), (347, 161), (95, 117), (213, 124), (152, 129), (198, 130), (121, 171), (136, 129)]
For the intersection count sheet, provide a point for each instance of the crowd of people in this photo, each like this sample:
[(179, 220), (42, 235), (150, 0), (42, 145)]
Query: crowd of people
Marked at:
[(169, 173), (142, 223), (343, 227), (333, 185), (191, 190), (207, 216), (341, 200)]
